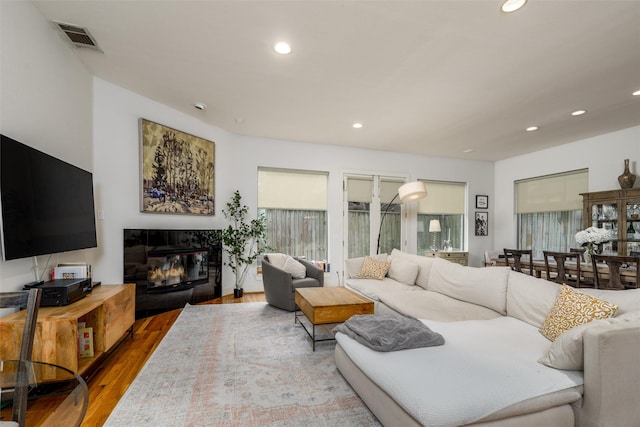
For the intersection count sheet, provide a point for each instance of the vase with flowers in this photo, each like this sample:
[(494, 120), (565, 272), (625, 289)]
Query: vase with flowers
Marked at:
[(592, 238)]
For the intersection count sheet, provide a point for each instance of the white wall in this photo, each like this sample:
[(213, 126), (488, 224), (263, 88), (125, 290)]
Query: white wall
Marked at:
[(116, 166), (45, 102), (603, 155)]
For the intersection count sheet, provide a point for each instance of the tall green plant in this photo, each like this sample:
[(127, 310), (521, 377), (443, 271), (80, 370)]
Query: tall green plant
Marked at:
[(243, 241)]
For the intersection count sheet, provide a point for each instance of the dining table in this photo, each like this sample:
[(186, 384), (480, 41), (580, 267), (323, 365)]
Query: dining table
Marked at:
[(571, 267)]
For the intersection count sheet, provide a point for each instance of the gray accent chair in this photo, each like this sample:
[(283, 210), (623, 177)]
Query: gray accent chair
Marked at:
[(279, 286)]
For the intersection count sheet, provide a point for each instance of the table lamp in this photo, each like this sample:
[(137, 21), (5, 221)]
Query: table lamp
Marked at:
[(434, 227)]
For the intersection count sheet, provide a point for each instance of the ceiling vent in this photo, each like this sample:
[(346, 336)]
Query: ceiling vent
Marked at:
[(78, 36)]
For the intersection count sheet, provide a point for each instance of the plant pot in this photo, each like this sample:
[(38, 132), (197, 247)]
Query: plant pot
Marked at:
[(237, 292)]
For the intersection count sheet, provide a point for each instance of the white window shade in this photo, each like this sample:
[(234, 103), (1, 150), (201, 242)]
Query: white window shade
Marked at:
[(443, 198), (552, 193), (292, 190), (388, 190), (360, 190)]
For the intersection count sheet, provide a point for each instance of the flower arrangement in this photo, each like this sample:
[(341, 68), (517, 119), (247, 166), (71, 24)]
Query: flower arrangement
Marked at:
[(592, 237)]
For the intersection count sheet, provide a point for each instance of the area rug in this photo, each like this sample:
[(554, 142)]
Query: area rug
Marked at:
[(239, 365)]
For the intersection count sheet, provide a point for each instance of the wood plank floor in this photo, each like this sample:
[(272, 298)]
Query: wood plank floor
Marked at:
[(112, 379)]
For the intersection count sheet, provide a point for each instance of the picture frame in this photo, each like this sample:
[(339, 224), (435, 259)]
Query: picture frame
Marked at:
[(482, 224), (177, 171), (482, 202)]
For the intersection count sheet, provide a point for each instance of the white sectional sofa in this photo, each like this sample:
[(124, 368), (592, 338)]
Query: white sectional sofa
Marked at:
[(496, 368)]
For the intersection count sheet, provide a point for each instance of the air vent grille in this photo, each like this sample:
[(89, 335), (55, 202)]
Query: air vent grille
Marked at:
[(78, 36)]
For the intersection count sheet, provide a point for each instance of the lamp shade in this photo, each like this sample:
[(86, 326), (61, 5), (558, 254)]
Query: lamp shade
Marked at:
[(434, 226), (412, 191)]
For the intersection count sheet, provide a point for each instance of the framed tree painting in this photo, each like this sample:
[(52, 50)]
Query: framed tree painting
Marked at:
[(482, 223), (177, 171)]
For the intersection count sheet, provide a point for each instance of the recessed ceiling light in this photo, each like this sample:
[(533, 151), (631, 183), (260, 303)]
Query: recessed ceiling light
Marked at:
[(532, 128), (468, 150), (636, 93), (578, 112), (357, 125), (200, 106), (282, 48), (512, 5)]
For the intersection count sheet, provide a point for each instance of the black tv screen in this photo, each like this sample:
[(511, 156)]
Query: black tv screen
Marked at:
[(47, 204)]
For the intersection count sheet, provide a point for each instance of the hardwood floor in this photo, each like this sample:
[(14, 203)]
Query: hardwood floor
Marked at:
[(112, 379)]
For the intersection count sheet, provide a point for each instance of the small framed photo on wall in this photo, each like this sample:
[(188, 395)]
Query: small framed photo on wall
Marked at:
[(482, 202), (482, 224)]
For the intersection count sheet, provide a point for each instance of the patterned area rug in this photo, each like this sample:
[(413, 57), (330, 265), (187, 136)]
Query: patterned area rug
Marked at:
[(239, 365)]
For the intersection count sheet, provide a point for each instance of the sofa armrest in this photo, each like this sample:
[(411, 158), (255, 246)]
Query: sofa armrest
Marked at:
[(313, 271), (611, 376)]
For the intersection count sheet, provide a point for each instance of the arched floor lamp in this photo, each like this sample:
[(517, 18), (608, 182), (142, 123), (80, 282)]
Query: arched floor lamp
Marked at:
[(408, 192)]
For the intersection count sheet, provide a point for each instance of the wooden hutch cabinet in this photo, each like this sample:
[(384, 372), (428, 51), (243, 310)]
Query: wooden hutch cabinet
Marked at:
[(618, 211)]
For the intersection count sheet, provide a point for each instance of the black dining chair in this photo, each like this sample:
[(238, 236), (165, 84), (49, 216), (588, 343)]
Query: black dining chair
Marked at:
[(29, 300), (513, 258), (615, 264)]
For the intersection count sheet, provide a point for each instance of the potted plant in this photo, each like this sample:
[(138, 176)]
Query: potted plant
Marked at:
[(244, 241)]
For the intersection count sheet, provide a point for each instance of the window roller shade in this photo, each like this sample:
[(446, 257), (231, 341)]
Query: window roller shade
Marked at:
[(551, 193), (443, 198), (292, 190)]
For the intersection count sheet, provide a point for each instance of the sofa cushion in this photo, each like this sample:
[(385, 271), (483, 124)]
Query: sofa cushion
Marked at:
[(434, 306), (566, 352), (627, 300), (353, 266), (483, 286), (370, 288), (424, 263), (403, 271), (530, 299), (372, 269), (573, 308)]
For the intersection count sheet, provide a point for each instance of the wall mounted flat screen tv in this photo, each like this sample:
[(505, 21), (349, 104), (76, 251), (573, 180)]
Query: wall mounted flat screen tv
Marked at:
[(47, 204)]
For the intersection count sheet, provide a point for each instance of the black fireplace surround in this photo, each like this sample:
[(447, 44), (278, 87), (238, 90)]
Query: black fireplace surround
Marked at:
[(172, 268)]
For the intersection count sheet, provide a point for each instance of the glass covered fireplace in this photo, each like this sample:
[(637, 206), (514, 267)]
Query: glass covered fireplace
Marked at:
[(175, 270), (172, 267)]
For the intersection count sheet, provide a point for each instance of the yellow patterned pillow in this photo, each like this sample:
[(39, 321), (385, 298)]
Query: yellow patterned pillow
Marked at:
[(372, 269), (573, 308)]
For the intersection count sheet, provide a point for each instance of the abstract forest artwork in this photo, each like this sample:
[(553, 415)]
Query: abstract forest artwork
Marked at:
[(177, 171)]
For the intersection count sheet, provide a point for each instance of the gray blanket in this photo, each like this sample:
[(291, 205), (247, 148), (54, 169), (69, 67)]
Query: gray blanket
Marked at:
[(384, 332)]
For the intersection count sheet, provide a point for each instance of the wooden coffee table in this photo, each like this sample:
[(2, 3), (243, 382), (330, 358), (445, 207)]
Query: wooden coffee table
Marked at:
[(328, 305)]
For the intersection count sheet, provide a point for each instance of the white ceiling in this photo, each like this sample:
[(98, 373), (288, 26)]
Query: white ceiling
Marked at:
[(428, 77)]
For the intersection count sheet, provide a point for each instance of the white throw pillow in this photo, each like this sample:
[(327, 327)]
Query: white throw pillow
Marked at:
[(295, 268), (403, 271), (277, 260), (289, 264), (627, 301), (567, 351), (424, 265)]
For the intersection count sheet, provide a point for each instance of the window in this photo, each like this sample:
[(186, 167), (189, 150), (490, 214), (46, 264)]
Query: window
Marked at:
[(549, 211), (445, 202), (374, 214), (295, 205)]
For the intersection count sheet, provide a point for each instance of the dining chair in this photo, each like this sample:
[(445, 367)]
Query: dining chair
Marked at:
[(515, 255), (615, 264), (580, 251), (561, 273), (31, 301)]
